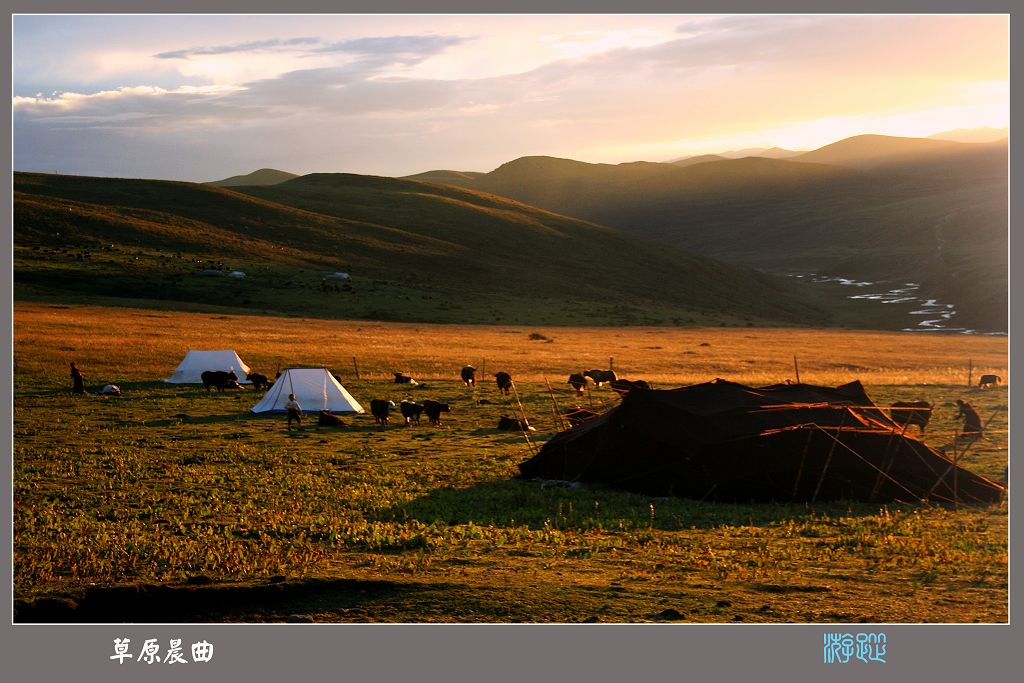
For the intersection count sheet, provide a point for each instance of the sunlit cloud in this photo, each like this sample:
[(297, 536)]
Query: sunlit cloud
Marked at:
[(66, 101)]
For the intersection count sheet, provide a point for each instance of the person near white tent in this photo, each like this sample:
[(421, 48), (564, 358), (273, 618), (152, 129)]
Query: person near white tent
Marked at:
[(294, 411), (314, 388)]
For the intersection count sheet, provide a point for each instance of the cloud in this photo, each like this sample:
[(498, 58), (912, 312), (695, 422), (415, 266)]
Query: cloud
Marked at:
[(402, 48), (417, 46), (363, 113), (250, 46)]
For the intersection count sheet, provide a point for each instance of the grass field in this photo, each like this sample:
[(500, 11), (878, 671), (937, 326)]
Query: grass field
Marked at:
[(415, 252), (171, 504)]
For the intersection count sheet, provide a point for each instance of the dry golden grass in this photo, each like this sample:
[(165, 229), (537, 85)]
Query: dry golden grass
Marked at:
[(135, 345)]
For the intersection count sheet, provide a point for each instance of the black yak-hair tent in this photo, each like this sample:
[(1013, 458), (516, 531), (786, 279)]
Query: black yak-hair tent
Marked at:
[(729, 442)]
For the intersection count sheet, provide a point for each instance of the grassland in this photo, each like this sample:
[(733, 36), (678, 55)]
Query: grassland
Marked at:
[(415, 252), (171, 504)]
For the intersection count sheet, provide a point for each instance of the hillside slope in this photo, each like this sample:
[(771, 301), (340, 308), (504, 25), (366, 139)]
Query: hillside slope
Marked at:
[(886, 209), (415, 252)]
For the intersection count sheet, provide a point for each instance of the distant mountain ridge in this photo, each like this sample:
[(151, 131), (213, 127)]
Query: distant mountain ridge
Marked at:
[(700, 159), (988, 134), (770, 153), (872, 151), (766, 152), (871, 207)]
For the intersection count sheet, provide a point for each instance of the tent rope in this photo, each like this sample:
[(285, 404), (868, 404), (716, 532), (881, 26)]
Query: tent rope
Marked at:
[(522, 423), (865, 460)]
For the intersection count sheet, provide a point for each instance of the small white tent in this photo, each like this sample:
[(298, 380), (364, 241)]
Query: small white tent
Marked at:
[(315, 389), (195, 363)]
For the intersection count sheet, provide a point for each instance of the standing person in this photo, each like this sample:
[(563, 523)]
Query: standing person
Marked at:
[(294, 411), (972, 421), (77, 383)]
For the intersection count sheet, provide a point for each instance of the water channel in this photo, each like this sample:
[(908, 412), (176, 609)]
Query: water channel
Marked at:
[(930, 315)]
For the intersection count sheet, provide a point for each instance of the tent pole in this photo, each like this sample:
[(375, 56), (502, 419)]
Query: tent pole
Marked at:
[(888, 458), (800, 470), (522, 425), (828, 460), (559, 422), (821, 479)]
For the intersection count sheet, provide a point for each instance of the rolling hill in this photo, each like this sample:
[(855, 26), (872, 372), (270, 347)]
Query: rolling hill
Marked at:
[(769, 153), (881, 151), (973, 134), (416, 252), (871, 207), (264, 176), (701, 159)]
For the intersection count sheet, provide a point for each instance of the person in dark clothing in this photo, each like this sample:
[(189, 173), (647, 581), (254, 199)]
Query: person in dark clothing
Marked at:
[(972, 421), (77, 382)]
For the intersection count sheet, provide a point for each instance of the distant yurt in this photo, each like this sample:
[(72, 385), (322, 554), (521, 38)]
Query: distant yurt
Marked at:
[(195, 363), (722, 441), (315, 389)]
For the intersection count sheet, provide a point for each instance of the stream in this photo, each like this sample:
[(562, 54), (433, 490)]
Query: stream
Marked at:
[(930, 315)]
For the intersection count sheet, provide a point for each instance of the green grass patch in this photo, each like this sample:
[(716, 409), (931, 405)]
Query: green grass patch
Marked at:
[(168, 483)]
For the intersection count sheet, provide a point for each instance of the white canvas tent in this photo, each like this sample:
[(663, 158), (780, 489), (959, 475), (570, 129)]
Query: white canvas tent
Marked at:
[(315, 389), (195, 363)]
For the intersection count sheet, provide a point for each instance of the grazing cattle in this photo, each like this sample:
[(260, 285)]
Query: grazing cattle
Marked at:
[(906, 413), (381, 410), (326, 419), (258, 380), (110, 390), (624, 386), (972, 421), (577, 416), (989, 381), (515, 424), (220, 379), (578, 382), (504, 382), (433, 409), (601, 376), (401, 378), (411, 411), (468, 375)]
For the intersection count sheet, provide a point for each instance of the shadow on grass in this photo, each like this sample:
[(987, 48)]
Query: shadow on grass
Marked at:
[(184, 418), (559, 505), (510, 435), (211, 602), (155, 390)]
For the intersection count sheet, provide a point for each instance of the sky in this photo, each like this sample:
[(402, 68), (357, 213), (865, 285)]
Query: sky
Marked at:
[(203, 97)]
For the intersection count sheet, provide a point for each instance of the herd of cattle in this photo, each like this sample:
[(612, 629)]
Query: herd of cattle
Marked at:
[(381, 409), (903, 413)]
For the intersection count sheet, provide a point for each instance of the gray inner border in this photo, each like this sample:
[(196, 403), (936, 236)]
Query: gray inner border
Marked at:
[(592, 652)]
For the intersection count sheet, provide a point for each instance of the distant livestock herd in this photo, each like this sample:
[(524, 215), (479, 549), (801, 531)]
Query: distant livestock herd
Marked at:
[(411, 411), (903, 413)]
